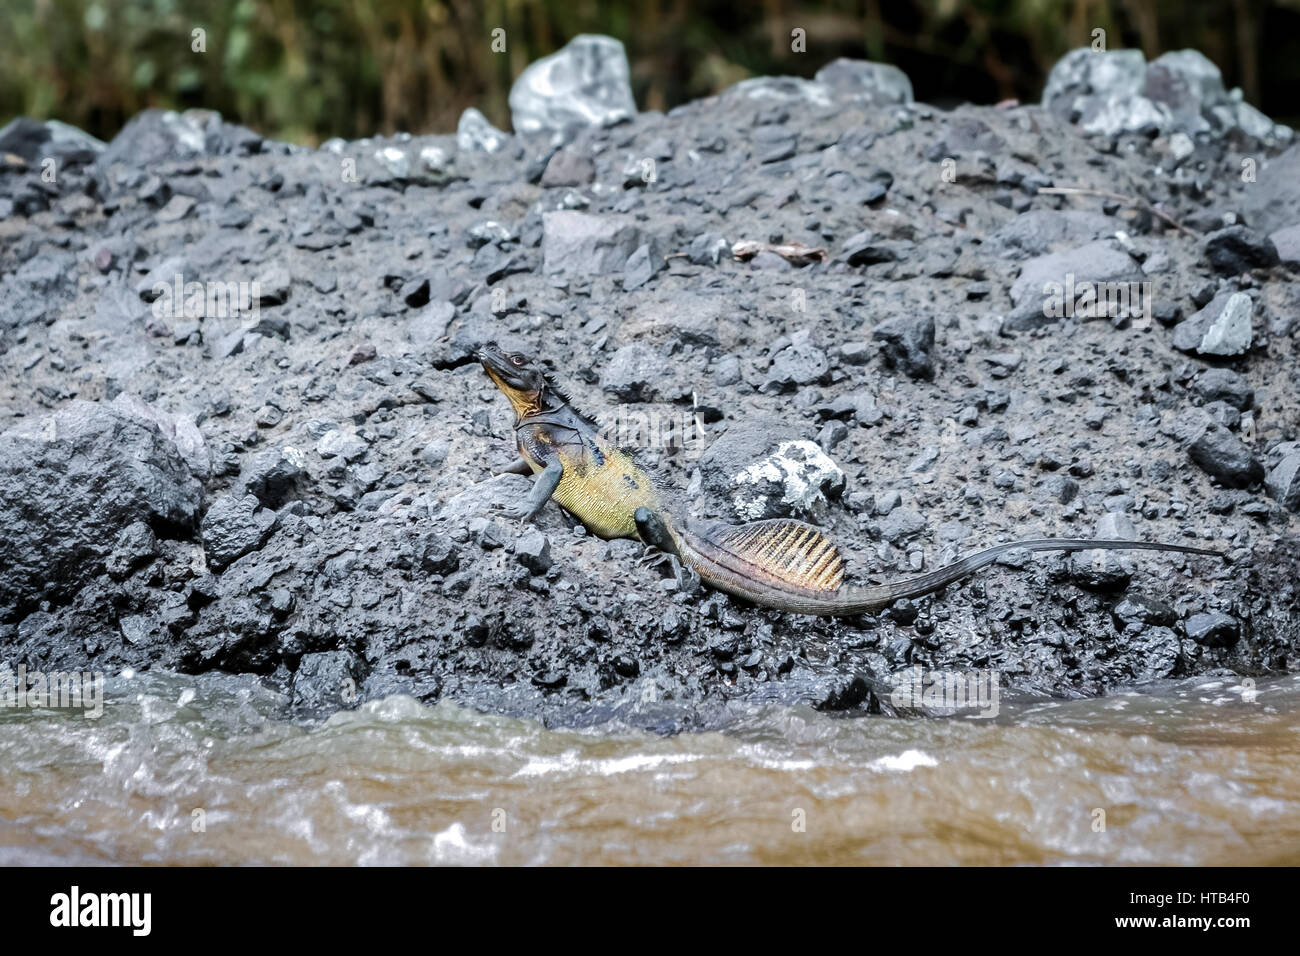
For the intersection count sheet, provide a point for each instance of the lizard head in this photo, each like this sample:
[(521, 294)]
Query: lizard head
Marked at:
[(518, 376)]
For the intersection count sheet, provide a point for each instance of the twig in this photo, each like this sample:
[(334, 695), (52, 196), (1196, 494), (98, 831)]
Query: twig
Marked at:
[(1117, 197)]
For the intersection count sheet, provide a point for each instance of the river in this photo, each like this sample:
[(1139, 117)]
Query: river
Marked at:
[(207, 770)]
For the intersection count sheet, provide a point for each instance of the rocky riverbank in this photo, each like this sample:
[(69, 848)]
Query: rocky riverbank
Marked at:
[(243, 429)]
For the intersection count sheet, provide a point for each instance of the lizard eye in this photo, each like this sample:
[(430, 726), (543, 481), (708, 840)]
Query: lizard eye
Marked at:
[(516, 360)]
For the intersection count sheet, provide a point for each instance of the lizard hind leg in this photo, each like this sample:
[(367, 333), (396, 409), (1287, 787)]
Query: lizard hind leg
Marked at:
[(654, 530)]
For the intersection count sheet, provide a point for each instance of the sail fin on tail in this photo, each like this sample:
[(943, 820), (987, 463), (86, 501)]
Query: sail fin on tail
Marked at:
[(784, 550)]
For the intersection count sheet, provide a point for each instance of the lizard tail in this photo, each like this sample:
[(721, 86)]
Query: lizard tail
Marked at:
[(793, 566)]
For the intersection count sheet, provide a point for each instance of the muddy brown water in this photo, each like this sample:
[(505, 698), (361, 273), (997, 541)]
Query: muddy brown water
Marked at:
[(184, 770)]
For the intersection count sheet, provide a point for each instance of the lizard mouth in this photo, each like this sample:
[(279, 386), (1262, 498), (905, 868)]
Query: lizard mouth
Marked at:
[(498, 367)]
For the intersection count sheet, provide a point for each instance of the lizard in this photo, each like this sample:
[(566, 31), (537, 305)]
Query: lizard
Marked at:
[(780, 563)]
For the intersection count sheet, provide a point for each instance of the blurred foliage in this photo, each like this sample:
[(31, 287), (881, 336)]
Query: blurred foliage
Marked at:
[(305, 70)]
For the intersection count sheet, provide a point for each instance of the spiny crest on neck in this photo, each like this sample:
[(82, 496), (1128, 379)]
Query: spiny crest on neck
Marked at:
[(560, 397)]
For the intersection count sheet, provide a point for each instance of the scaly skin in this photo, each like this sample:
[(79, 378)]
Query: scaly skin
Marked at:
[(600, 485), (782, 564)]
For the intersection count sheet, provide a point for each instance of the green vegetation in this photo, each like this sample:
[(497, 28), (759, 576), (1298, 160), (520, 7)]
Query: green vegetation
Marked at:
[(305, 70)]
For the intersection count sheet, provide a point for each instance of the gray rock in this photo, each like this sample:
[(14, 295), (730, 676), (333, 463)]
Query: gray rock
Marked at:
[(233, 526), (577, 244), (865, 249), (799, 363), (641, 267), (178, 428), (1287, 243), (1181, 146), (1113, 92), (1225, 385), (1156, 653), (586, 83), (135, 544), (1136, 610), (162, 278), (631, 373), (784, 90), (485, 231), (727, 372), (1060, 488), (907, 343), (337, 443), (687, 319), (325, 681), (1083, 71), (568, 167), (1185, 80), (1062, 278), (772, 144), (1215, 629), (176, 209), (1040, 231), (70, 483), (1273, 200), (139, 629), (533, 551), (1223, 327), (475, 134), (862, 81), (901, 524), (1236, 249), (274, 286), (429, 325), (392, 163), (34, 140), (1222, 455), (1103, 92), (274, 476), (154, 137), (435, 453), (856, 353), (437, 553), (1283, 482), (708, 249), (435, 166)]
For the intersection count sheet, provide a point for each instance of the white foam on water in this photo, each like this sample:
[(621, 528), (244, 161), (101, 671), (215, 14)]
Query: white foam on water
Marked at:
[(907, 761)]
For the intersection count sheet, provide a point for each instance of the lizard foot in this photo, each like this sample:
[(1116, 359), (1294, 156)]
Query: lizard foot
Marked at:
[(654, 558), (520, 512)]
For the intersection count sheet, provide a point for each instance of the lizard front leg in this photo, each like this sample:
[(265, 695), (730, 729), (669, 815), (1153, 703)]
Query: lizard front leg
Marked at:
[(519, 466), (547, 481)]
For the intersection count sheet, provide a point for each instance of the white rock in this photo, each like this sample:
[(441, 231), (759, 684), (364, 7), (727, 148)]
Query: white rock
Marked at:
[(1230, 333)]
